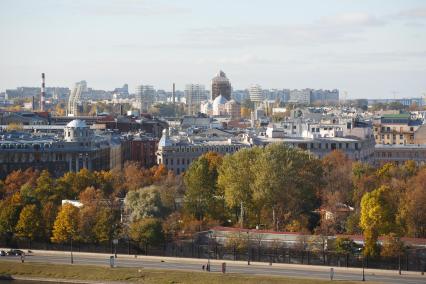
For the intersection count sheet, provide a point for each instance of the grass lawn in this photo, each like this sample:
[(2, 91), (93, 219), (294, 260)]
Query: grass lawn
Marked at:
[(143, 276)]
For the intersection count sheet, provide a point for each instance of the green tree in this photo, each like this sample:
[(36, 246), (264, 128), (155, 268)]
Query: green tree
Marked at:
[(9, 216), (45, 187), (49, 212), (147, 232), (202, 197), (29, 225), (143, 203), (286, 183), (104, 226), (65, 227), (344, 246), (236, 178)]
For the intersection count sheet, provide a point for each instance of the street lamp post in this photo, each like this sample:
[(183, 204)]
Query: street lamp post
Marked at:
[(363, 273), (248, 247), (72, 257), (208, 251), (399, 263)]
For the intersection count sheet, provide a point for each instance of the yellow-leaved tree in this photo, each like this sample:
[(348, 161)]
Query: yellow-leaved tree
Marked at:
[(29, 223), (66, 224)]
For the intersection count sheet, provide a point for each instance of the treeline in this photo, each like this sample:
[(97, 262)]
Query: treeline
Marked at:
[(275, 187), (31, 203)]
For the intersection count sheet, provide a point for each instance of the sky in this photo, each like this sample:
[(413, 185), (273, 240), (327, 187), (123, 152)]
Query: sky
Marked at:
[(365, 48)]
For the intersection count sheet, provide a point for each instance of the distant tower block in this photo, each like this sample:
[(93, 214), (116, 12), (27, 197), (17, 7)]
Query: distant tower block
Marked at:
[(43, 93)]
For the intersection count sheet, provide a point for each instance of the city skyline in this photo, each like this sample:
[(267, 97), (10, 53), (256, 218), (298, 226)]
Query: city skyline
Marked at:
[(371, 49)]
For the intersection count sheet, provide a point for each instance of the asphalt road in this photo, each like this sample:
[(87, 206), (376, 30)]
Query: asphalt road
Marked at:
[(289, 270)]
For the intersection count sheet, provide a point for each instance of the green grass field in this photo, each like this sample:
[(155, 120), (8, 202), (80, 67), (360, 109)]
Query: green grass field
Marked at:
[(138, 275)]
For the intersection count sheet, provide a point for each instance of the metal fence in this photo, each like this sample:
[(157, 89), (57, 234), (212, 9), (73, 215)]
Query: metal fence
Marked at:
[(410, 260)]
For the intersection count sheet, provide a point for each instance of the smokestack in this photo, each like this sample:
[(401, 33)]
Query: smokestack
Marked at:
[(43, 93), (33, 104), (173, 99), (174, 93)]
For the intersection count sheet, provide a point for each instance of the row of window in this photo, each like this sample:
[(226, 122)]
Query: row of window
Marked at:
[(388, 129), (195, 149), (25, 146), (413, 154)]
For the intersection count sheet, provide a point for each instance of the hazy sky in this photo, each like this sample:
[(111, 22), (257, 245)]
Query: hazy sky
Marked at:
[(369, 48)]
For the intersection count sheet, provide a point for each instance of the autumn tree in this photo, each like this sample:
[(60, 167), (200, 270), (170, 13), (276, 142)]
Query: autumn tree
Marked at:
[(412, 213), (337, 169), (29, 225), (147, 232), (65, 227), (378, 217), (135, 177), (16, 179), (393, 246)]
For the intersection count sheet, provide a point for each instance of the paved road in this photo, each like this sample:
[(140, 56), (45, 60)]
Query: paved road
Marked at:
[(290, 270)]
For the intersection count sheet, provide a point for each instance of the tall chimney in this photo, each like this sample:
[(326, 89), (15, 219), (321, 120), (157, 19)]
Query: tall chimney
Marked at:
[(33, 104), (43, 93), (173, 99)]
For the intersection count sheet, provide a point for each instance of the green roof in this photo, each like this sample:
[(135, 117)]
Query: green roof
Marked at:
[(399, 115)]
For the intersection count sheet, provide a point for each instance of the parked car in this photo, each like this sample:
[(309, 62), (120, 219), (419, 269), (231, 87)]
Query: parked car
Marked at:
[(15, 252), (2, 253)]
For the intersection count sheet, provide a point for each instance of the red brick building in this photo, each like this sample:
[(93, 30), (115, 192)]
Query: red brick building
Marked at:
[(143, 149)]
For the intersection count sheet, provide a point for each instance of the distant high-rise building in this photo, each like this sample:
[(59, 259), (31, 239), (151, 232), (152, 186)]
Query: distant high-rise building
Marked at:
[(75, 97), (194, 94), (145, 95), (256, 94), (300, 96), (221, 86), (325, 97)]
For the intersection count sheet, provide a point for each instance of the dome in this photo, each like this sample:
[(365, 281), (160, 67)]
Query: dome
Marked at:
[(221, 76), (219, 100), (76, 123)]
